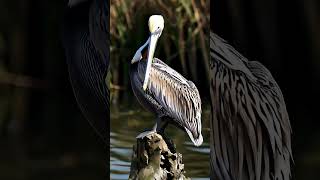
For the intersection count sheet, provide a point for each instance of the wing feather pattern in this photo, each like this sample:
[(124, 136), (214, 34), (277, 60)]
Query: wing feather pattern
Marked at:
[(251, 128), (178, 96)]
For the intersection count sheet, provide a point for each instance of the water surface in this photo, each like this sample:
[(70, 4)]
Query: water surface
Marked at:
[(127, 122)]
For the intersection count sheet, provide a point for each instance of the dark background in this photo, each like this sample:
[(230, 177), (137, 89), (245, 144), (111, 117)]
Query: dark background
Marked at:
[(43, 134), (285, 37)]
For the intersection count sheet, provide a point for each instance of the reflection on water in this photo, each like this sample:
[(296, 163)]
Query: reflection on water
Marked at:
[(128, 122)]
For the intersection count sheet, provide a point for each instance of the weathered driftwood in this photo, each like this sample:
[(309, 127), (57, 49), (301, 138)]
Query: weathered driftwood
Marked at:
[(152, 159)]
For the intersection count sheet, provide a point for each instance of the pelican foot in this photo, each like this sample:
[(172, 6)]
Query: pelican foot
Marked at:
[(144, 134)]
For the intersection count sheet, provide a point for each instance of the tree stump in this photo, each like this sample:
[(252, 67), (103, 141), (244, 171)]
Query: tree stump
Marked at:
[(152, 159)]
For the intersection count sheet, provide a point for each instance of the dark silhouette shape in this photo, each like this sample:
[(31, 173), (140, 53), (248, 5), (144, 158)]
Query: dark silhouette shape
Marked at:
[(251, 133), (86, 42)]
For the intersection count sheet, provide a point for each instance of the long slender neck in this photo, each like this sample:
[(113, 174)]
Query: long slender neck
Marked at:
[(138, 55)]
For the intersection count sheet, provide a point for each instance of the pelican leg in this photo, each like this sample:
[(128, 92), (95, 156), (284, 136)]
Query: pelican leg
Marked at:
[(162, 127), (153, 130), (170, 144)]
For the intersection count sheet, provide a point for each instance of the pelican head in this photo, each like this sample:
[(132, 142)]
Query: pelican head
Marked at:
[(156, 25)]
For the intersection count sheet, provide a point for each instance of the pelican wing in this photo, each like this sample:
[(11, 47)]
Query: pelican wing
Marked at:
[(250, 125), (178, 96)]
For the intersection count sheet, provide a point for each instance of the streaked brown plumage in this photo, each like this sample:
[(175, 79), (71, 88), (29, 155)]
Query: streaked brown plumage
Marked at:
[(251, 133), (169, 94)]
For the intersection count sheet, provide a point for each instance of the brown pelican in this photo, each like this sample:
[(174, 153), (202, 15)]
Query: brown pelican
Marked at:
[(86, 42), (250, 125), (162, 90)]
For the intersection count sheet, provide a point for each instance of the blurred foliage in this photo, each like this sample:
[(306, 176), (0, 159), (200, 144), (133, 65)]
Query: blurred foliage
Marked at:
[(183, 44)]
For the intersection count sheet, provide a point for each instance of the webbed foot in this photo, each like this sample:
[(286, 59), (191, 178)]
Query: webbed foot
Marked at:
[(146, 133)]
